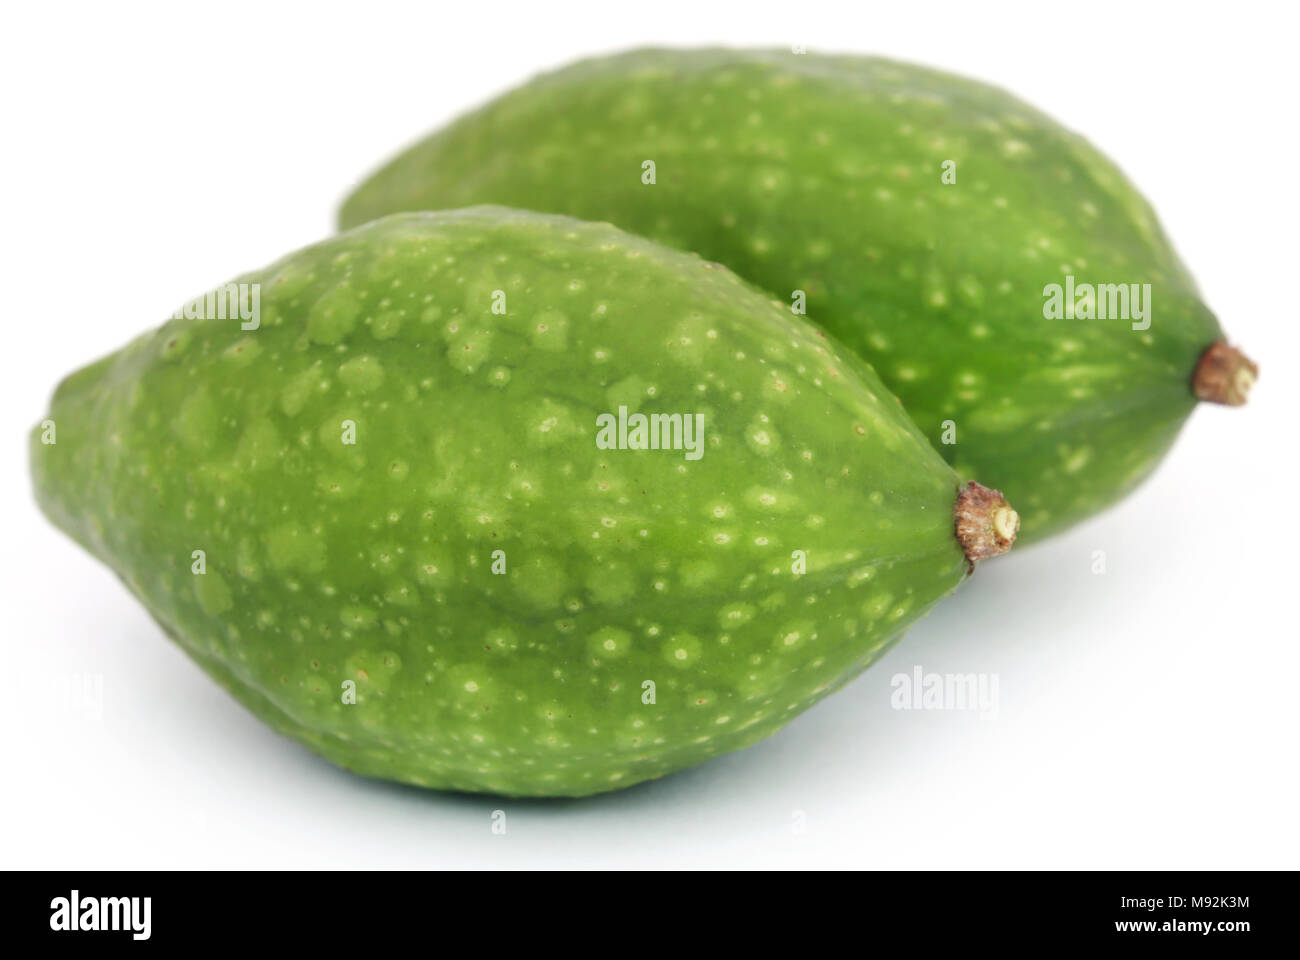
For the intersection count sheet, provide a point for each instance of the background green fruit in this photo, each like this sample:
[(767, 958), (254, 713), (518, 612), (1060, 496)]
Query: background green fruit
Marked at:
[(394, 486), (827, 175)]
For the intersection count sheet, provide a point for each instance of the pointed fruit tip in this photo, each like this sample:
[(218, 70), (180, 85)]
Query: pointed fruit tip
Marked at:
[(1224, 375), (986, 524)]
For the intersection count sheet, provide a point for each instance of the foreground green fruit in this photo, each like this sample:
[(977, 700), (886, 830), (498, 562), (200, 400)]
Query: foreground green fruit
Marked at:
[(925, 218), (400, 484)]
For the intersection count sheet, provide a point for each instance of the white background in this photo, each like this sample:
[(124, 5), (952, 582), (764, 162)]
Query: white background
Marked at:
[(1148, 716)]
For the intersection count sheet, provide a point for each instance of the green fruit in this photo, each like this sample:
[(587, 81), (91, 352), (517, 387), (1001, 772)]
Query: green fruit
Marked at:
[(397, 489), (826, 175)]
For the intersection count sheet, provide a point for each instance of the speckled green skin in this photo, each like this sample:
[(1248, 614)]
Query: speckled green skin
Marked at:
[(824, 174), (475, 432)]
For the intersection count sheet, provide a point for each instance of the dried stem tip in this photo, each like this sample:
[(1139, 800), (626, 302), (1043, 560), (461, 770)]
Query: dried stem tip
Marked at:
[(986, 524), (1224, 375)]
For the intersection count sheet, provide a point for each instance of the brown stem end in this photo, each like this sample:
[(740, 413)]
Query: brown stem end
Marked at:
[(1224, 375), (986, 524)]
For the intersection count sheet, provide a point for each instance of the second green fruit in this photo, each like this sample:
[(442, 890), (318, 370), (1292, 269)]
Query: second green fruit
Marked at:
[(924, 217)]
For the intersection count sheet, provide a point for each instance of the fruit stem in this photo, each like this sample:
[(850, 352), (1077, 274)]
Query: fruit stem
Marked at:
[(986, 524), (1224, 375)]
